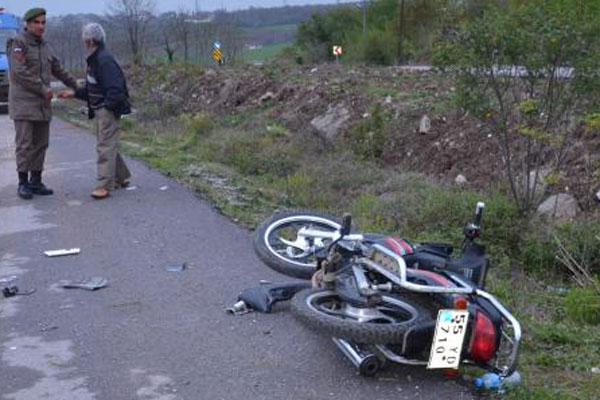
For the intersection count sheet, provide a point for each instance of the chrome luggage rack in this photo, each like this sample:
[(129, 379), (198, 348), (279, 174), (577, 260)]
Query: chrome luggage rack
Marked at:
[(511, 328)]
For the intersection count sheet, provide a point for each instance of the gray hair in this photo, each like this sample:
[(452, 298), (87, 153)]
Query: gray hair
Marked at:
[(94, 32)]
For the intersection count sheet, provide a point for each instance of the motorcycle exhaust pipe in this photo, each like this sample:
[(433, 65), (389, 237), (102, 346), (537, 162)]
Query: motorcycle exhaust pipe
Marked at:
[(367, 363)]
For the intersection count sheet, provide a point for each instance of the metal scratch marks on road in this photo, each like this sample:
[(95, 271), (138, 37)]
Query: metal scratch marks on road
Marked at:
[(50, 359), (25, 218)]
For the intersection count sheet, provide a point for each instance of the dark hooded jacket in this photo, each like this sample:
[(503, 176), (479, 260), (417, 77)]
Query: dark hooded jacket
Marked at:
[(105, 84)]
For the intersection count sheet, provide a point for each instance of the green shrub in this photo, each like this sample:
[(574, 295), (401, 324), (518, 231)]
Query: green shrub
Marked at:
[(368, 136), (531, 110), (197, 124), (539, 249), (254, 156), (379, 47), (583, 305), (276, 130)]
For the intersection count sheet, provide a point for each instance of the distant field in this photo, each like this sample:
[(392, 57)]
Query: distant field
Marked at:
[(273, 28), (264, 53)]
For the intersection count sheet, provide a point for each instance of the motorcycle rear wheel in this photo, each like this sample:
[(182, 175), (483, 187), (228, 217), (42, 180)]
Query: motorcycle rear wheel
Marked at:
[(388, 322), (278, 244)]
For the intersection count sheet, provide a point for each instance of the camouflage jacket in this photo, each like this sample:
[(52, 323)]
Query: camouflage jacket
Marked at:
[(31, 63)]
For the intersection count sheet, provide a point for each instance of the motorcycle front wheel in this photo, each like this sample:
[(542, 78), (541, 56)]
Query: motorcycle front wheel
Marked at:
[(280, 244), (387, 322)]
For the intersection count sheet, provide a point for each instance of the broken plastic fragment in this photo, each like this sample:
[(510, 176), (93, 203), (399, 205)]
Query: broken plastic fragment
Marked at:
[(238, 308), (176, 267), (14, 291), (8, 279), (87, 284), (62, 252), (164, 187)]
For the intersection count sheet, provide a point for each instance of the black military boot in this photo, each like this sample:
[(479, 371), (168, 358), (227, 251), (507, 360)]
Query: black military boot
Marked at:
[(23, 191), (36, 186)]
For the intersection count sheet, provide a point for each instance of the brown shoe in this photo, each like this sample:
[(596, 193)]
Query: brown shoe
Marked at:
[(100, 193)]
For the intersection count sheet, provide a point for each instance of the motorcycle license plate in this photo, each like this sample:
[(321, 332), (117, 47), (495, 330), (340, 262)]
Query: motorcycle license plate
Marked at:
[(448, 339)]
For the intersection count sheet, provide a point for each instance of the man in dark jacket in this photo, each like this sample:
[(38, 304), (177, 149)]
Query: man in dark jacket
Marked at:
[(32, 63), (107, 98)]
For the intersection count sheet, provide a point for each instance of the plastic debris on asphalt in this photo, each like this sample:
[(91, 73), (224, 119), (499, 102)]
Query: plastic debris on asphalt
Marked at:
[(87, 284), (238, 308), (62, 252), (131, 188), (176, 267), (14, 291), (7, 279), (164, 187)]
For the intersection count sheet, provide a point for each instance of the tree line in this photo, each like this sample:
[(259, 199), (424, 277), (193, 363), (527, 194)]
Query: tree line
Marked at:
[(137, 34)]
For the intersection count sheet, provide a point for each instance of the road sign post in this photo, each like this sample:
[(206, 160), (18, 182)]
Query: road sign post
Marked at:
[(217, 54), (337, 52)]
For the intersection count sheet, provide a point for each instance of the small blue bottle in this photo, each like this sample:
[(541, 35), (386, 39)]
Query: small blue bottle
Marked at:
[(488, 380)]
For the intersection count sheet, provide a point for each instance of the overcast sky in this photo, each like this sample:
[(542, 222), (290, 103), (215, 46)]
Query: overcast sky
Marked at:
[(60, 7)]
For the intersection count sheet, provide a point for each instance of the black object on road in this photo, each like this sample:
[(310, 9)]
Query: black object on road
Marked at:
[(261, 298), (14, 291)]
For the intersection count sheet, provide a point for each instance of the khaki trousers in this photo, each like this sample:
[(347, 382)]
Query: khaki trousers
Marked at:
[(110, 164), (31, 143)]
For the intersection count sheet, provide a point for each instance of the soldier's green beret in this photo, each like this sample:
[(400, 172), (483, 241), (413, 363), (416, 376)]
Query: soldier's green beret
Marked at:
[(34, 13)]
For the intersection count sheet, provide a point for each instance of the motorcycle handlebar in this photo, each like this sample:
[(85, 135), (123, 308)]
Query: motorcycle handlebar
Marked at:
[(479, 213), (346, 224)]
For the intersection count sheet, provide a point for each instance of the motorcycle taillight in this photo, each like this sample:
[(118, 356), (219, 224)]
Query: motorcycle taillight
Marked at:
[(483, 339)]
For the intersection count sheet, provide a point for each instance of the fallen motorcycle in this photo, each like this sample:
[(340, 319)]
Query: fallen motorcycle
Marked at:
[(384, 299)]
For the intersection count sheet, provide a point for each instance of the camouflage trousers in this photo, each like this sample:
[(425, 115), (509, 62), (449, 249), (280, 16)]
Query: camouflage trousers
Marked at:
[(110, 165), (31, 143)]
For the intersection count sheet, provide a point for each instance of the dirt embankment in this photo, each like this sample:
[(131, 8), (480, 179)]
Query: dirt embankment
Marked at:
[(455, 144)]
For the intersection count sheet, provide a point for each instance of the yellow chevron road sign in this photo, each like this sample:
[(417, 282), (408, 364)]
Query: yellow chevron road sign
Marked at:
[(217, 55)]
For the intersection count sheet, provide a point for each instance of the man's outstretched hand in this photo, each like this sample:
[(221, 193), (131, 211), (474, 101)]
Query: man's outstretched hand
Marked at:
[(66, 94)]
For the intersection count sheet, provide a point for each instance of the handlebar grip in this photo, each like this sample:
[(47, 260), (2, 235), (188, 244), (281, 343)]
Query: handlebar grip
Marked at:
[(479, 213), (346, 224)]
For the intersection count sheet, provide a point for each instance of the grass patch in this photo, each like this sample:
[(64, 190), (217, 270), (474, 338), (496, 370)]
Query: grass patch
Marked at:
[(264, 53)]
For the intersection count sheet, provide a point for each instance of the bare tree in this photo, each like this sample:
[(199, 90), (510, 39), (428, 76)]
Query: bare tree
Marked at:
[(64, 35), (182, 31), (133, 16)]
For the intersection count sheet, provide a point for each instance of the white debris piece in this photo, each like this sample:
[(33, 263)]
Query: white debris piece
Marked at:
[(425, 124), (460, 179), (62, 252)]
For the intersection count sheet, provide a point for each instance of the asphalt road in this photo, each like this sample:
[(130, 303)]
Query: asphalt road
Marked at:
[(152, 333)]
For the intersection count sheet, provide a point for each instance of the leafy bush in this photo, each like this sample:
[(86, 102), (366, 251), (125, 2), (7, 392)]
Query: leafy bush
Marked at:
[(511, 66), (416, 22), (368, 136), (583, 305), (197, 124), (380, 47), (253, 156), (579, 238), (421, 210)]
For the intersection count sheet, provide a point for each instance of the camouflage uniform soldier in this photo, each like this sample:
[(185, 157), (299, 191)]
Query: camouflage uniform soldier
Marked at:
[(32, 63)]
